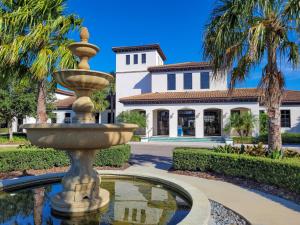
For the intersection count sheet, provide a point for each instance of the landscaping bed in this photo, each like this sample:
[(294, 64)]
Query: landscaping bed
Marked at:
[(31, 172), (282, 173), (36, 161)]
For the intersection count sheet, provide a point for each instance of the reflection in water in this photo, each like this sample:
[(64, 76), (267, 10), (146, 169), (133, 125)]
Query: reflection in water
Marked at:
[(133, 201)]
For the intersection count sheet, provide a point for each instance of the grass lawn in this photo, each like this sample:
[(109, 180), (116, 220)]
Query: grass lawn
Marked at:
[(17, 139)]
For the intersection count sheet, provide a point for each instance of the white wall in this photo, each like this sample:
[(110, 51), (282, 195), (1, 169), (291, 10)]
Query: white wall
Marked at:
[(295, 118), (128, 84), (199, 111), (134, 79), (160, 81), (61, 96), (152, 59)]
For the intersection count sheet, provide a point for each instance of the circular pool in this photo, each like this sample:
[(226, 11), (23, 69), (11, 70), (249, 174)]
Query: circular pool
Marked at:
[(133, 201)]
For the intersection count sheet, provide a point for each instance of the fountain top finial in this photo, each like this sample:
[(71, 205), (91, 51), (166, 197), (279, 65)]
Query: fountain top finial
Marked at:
[(84, 34)]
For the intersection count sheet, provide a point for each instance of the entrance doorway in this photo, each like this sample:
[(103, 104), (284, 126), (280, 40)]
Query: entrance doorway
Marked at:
[(186, 121), (162, 122), (212, 122)]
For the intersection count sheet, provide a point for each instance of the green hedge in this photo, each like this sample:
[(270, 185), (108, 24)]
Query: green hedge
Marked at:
[(246, 140), (22, 159), (287, 138), (282, 173)]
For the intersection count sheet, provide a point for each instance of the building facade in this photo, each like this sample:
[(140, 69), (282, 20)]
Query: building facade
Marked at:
[(185, 99), (63, 112)]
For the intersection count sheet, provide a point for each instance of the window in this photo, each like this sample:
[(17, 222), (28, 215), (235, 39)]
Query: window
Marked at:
[(285, 118), (135, 58), (97, 117), (143, 58), (171, 81), (204, 80), (127, 59), (187, 81), (68, 118)]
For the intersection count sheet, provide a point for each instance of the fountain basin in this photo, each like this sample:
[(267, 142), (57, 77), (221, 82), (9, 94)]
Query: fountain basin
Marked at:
[(81, 79), (79, 136), (83, 49), (198, 212), (81, 185)]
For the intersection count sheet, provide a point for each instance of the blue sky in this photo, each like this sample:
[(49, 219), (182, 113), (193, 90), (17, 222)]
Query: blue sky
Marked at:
[(177, 25)]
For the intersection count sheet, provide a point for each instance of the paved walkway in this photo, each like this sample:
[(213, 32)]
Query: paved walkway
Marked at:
[(258, 207)]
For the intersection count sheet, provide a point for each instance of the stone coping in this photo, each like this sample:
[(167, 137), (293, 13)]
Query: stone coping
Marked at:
[(199, 214)]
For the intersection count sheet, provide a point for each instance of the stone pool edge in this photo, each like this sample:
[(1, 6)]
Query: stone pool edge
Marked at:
[(199, 214)]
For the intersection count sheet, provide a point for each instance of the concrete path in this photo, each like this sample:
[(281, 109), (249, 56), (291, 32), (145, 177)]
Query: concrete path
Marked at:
[(8, 146), (258, 207)]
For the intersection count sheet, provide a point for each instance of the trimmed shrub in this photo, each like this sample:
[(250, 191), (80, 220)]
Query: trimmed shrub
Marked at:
[(283, 173), (287, 138), (22, 159), (246, 140), (136, 138)]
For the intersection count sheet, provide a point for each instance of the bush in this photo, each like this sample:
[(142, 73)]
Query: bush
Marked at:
[(135, 117), (23, 159), (246, 140), (283, 173), (136, 138), (287, 138)]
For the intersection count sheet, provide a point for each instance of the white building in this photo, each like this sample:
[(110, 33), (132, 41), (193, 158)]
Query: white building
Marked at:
[(63, 112), (184, 99)]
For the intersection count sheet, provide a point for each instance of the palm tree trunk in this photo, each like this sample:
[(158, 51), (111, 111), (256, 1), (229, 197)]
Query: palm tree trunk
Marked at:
[(41, 102), (273, 95)]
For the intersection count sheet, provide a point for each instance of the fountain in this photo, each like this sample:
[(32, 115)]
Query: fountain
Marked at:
[(81, 185)]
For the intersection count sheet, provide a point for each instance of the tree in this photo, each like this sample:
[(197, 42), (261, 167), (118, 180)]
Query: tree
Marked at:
[(242, 123), (132, 117), (105, 98), (33, 33), (17, 99), (241, 34), (112, 96), (263, 123)]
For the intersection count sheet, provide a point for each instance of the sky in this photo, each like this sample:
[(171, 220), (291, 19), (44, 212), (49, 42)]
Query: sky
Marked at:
[(177, 25)]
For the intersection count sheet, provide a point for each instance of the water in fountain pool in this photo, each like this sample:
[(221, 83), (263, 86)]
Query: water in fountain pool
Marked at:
[(133, 201)]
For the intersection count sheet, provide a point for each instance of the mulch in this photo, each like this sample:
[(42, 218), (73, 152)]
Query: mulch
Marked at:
[(245, 183), (31, 172)]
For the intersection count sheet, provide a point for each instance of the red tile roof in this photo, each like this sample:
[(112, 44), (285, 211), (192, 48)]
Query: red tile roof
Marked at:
[(65, 103), (64, 92), (241, 94), (140, 48), (180, 66)]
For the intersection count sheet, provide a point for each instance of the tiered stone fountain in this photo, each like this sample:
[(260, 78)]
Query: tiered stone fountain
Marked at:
[(81, 184)]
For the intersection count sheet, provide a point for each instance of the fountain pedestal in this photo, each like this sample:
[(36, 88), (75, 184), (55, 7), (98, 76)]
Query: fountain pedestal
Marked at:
[(81, 185)]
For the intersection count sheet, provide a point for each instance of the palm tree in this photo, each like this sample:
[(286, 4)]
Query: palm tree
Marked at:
[(241, 34), (33, 32), (242, 123)]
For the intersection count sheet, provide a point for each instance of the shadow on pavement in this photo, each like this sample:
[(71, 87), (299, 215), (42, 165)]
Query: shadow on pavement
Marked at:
[(159, 162)]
